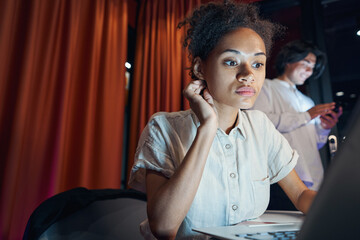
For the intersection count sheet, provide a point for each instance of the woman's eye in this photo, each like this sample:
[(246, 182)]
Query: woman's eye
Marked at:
[(231, 63), (258, 65)]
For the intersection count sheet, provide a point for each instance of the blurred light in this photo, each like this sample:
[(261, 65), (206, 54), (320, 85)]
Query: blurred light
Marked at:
[(358, 33), (127, 65), (353, 95), (339, 94)]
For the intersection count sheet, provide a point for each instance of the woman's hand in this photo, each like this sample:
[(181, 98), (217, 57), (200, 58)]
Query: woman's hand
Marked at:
[(201, 102)]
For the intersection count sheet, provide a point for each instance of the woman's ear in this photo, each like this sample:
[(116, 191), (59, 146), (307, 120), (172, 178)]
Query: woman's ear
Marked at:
[(197, 68)]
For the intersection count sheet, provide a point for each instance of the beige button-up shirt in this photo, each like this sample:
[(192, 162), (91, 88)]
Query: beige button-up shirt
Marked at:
[(240, 167)]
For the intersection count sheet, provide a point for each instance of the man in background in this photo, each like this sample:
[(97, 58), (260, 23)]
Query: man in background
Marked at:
[(305, 125)]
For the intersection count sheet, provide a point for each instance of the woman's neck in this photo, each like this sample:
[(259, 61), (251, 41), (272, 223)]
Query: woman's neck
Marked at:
[(228, 117)]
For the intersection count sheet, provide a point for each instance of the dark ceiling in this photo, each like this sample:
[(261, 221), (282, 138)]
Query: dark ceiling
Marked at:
[(341, 23)]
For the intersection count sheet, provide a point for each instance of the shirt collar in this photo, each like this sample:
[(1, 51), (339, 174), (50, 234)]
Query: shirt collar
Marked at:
[(239, 126)]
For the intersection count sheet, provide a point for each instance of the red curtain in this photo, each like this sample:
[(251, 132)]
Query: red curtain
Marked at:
[(161, 63), (62, 98)]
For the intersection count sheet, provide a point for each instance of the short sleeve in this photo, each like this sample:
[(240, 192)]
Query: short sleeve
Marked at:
[(282, 157), (152, 153)]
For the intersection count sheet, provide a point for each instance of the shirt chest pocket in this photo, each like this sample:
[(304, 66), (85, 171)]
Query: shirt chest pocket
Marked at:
[(261, 193)]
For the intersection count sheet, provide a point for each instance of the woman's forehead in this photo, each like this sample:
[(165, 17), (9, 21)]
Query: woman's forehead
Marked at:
[(242, 41)]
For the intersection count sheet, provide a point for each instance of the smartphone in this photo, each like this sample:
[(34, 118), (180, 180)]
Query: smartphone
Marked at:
[(336, 109)]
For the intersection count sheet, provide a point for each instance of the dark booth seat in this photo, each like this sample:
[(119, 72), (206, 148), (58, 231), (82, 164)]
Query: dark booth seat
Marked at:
[(80, 213)]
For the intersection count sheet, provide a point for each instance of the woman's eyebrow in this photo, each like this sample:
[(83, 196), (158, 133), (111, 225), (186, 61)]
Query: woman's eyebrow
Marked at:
[(260, 53), (240, 53)]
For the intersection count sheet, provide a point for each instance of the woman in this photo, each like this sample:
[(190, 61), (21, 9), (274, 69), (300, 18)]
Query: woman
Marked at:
[(212, 165)]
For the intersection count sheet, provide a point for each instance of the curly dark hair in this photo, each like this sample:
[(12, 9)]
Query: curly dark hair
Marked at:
[(296, 51), (210, 22)]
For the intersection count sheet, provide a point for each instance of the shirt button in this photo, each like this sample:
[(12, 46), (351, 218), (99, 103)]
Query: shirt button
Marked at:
[(233, 175), (227, 146), (234, 207)]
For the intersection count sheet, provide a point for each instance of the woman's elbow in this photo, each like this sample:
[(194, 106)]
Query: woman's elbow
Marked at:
[(161, 230)]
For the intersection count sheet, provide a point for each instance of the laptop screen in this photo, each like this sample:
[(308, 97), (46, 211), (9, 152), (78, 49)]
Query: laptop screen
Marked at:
[(335, 211)]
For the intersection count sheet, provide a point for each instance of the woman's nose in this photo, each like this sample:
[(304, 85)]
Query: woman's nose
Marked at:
[(248, 78), (245, 75)]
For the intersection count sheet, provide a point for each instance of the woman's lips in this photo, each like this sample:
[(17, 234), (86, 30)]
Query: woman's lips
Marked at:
[(246, 91)]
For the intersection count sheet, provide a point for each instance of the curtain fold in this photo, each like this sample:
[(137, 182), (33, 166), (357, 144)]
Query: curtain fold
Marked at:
[(62, 101), (161, 63)]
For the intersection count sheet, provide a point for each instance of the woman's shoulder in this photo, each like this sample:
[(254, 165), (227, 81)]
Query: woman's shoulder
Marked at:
[(256, 118), (172, 120), (171, 116)]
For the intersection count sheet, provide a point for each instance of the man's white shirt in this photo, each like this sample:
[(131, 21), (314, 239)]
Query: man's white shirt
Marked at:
[(287, 108)]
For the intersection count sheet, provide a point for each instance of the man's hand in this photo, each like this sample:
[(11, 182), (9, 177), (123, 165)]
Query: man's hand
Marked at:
[(321, 109), (329, 120)]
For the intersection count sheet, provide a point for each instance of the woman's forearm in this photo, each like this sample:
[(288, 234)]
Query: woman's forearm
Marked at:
[(305, 200), (170, 199)]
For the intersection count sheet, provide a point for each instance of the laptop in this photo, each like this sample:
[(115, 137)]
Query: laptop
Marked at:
[(272, 224), (335, 212)]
